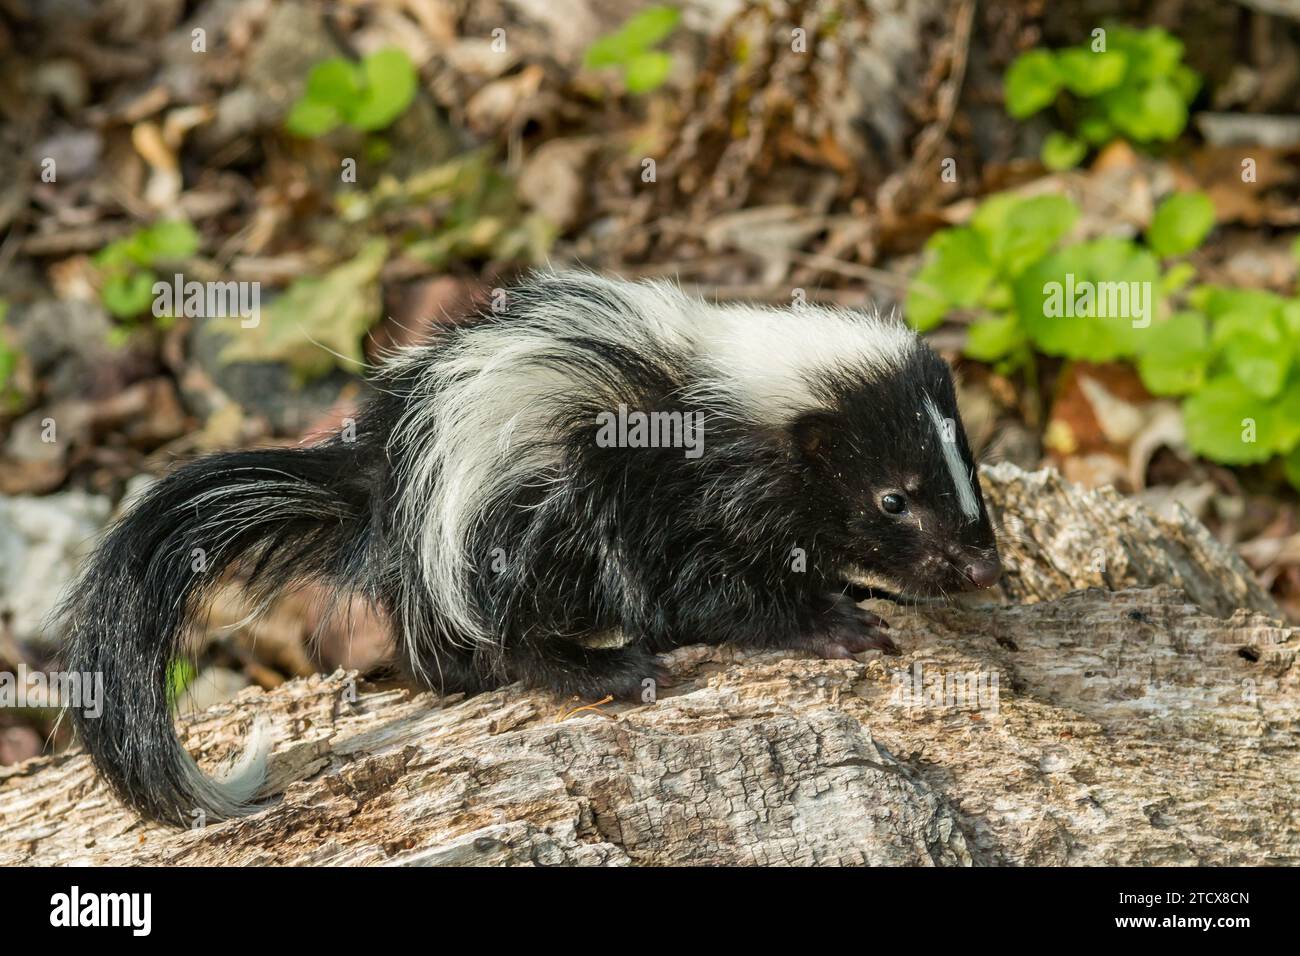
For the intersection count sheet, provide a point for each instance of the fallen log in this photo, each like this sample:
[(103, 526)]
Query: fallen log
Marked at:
[(1134, 701)]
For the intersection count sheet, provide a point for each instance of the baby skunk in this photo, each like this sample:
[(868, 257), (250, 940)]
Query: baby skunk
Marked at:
[(506, 505)]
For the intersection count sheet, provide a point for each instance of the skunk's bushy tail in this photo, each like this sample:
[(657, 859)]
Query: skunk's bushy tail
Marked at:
[(283, 515)]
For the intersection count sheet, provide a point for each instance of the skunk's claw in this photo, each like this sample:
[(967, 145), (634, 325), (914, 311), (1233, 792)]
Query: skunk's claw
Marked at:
[(845, 629)]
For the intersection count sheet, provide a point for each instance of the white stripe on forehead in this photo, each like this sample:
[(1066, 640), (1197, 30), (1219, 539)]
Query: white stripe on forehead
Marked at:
[(961, 478)]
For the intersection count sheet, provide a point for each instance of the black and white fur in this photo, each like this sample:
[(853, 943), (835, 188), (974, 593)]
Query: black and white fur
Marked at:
[(477, 510)]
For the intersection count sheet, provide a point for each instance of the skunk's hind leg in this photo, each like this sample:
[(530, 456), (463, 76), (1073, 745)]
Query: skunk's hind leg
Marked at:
[(446, 671), (567, 667)]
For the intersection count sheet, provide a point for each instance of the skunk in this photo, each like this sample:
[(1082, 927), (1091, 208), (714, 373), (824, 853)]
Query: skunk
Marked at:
[(554, 493)]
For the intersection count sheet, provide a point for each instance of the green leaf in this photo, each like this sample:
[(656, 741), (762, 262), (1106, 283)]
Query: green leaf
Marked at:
[(1177, 277), (180, 674), (127, 295), (1216, 301), (1031, 83), (1154, 113), (334, 83), (924, 306), (310, 118), (960, 268), (1017, 232), (8, 355), (390, 83), (1289, 313), (317, 319), (1086, 73), (168, 239), (1186, 81), (1152, 53), (1220, 418), (1174, 355), (1237, 325), (647, 71), (650, 26), (1287, 414), (611, 50), (1096, 130), (1259, 364), (990, 340), (1181, 224), (1090, 301), (1062, 152), (641, 32)]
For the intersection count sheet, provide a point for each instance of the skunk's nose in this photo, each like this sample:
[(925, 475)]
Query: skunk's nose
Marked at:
[(983, 573)]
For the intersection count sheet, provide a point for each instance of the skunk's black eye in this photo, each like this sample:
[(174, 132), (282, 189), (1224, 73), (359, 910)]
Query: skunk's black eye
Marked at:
[(894, 504)]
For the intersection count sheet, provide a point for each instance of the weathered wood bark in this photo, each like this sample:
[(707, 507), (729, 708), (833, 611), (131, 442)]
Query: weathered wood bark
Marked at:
[(1147, 723)]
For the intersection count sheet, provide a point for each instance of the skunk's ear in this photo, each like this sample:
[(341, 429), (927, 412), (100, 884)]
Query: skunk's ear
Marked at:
[(814, 435)]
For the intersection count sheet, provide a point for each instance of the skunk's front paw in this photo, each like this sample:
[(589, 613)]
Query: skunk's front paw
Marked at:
[(844, 629)]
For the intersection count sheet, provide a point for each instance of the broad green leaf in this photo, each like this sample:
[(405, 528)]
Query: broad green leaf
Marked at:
[(1031, 83), (1061, 152), (1289, 313), (990, 340), (1288, 417), (1181, 224), (334, 82), (998, 297), (1238, 325), (960, 268), (1186, 81), (168, 239), (647, 71), (390, 82), (1227, 424), (635, 37), (650, 26), (1178, 275), (115, 255), (127, 295), (1165, 110), (1259, 364), (612, 50), (1096, 129), (1093, 301), (1086, 73), (925, 307), (1018, 232), (310, 118), (1216, 301), (1152, 53), (1152, 113), (1174, 355)]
